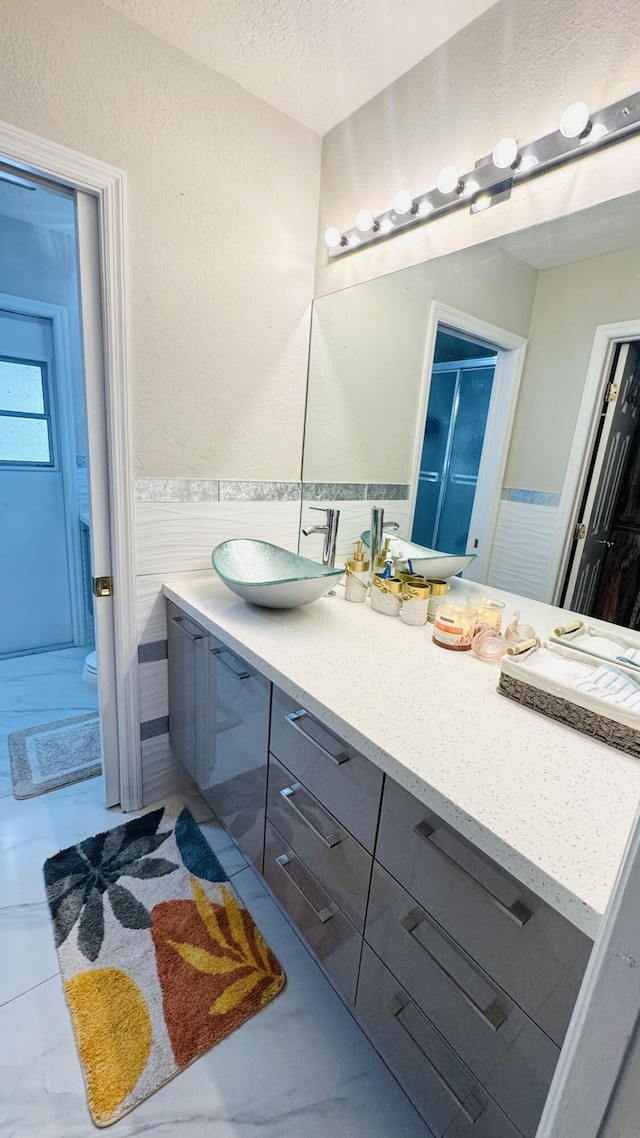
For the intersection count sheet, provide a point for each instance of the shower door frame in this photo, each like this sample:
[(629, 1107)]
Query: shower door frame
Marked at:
[(511, 350), (105, 350)]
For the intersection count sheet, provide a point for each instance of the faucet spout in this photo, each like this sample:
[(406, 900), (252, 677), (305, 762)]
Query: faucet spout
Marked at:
[(330, 531)]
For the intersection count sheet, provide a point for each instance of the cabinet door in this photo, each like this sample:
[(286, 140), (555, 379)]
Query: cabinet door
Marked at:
[(234, 775), (187, 664)]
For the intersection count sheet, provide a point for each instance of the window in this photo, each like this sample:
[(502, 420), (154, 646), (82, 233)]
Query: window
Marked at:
[(25, 420)]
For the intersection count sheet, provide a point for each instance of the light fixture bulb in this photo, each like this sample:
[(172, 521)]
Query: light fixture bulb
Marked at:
[(447, 180), (425, 208), (471, 187), (402, 202), (386, 225), (332, 237), (505, 153), (575, 120), (364, 220)]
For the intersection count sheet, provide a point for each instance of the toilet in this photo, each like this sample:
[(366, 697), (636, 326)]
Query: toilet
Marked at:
[(90, 671)]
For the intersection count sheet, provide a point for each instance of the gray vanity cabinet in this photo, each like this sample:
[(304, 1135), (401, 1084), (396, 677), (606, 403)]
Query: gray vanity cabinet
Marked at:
[(188, 682), (233, 777)]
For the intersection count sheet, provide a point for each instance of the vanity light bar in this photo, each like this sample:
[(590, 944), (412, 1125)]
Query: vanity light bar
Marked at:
[(579, 133)]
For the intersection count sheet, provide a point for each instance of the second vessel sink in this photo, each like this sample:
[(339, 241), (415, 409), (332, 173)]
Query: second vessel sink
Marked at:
[(430, 563), (267, 575)]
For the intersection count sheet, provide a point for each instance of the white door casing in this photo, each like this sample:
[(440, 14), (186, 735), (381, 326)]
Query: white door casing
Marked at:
[(606, 339), (112, 517), (619, 427), (504, 396)]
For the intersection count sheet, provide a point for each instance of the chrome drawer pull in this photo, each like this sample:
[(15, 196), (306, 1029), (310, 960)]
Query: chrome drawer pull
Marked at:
[(297, 718), (492, 1015), (469, 1106), (329, 840), (517, 912), (241, 671), (177, 620), (322, 914)]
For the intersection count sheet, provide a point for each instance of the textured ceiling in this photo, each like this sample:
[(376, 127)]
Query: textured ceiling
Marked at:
[(316, 60), (603, 228)]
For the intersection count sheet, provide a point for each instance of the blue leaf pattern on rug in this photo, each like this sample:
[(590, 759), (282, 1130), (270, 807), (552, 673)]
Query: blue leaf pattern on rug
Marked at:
[(195, 850)]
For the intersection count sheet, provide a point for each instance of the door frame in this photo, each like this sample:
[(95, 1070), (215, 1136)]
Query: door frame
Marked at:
[(605, 341), (61, 385), (511, 351), (107, 184)]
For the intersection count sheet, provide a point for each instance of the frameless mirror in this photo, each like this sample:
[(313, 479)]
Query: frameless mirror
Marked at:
[(490, 401)]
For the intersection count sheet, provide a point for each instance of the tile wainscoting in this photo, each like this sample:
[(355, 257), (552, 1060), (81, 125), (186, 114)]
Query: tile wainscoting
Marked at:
[(525, 530)]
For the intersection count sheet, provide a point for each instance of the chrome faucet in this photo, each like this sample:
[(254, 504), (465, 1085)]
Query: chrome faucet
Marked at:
[(330, 531)]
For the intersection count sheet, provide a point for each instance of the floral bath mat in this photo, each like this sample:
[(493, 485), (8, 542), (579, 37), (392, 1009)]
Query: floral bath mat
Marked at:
[(159, 958)]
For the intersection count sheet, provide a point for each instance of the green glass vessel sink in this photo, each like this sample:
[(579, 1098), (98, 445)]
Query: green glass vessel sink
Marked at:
[(267, 575), (430, 563)]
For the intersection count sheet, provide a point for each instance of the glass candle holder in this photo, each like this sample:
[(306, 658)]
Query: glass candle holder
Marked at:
[(454, 626), (488, 611)]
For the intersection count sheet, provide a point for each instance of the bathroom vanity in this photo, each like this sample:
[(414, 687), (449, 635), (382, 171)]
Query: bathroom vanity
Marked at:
[(444, 853)]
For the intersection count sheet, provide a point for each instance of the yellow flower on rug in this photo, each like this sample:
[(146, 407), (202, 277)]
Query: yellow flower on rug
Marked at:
[(159, 958)]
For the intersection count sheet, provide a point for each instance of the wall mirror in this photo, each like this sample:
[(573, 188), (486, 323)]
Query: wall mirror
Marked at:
[(490, 400)]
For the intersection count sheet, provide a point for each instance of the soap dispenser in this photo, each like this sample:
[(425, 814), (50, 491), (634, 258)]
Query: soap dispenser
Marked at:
[(357, 571)]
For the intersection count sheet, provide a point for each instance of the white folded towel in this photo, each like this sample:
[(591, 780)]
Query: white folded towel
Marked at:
[(612, 685)]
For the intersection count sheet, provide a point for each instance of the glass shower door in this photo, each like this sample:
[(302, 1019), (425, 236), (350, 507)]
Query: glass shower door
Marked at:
[(459, 401)]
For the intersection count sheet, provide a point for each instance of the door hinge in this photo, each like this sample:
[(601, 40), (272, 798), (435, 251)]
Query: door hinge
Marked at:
[(103, 586), (612, 393), (580, 532)]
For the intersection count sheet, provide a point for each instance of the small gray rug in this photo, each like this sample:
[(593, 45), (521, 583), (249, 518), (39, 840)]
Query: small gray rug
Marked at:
[(55, 754)]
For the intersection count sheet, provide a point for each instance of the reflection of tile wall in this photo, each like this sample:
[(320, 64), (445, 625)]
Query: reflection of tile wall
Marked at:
[(178, 522), (522, 542)]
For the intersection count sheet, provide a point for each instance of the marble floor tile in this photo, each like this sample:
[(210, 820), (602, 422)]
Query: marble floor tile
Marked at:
[(300, 1069)]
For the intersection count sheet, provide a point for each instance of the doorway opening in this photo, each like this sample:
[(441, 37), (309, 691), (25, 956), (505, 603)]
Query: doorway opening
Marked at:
[(603, 575), (459, 398), (49, 706), (471, 379)]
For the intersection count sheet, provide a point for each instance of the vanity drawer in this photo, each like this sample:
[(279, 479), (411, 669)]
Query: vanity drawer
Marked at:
[(339, 777), (334, 857), (443, 1089), (532, 952), (325, 928), (507, 1052)]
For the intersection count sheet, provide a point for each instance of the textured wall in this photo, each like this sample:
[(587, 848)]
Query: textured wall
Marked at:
[(223, 194), (570, 303), (366, 369), (511, 72)]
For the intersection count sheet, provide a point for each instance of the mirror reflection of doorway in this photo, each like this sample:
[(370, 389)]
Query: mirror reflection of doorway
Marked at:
[(603, 580), (459, 398)]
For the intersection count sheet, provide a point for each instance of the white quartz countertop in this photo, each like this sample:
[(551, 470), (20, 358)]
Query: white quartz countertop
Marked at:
[(550, 805)]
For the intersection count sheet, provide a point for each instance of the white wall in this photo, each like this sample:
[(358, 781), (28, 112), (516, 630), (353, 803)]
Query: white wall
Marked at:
[(366, 367), (510, 72), (570, 302), (223, 194)]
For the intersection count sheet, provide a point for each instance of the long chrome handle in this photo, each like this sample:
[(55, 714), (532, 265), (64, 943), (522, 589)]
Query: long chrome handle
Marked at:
[(241, 671), (492, 1014), (295, 718), (323, 915), (177, 620), (517, 911), (469, 1105), (329, 840)]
